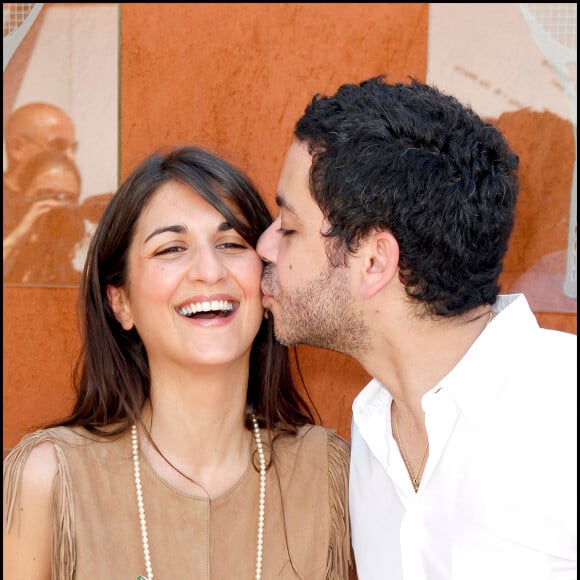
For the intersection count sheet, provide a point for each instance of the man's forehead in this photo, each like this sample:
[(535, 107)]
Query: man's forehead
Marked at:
[(294, 183), (284, 203)]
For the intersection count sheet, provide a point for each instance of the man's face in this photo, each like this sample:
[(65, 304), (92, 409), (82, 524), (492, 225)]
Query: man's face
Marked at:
[(311, 301), (55, 132), (47, 131)]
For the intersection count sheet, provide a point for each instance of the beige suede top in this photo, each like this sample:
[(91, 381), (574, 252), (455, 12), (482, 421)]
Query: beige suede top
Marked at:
[(96, 523)]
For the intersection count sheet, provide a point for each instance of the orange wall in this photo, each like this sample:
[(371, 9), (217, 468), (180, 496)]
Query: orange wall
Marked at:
[(233, 77)]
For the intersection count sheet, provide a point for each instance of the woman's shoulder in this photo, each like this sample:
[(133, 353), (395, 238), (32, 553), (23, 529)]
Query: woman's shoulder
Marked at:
[(33, 462), (37, 458), (37, 488), (314, 470), (315, 444), (37, 448), (34, 444), (324, 435), (337, 450), (30, 470)]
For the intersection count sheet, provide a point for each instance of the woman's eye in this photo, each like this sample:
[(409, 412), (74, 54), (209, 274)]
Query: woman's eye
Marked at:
[(232, 246), (169, 250), (285, 232)]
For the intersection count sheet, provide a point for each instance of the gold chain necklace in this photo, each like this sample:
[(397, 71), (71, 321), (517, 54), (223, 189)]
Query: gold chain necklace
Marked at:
[(415, 478), (141, 505)]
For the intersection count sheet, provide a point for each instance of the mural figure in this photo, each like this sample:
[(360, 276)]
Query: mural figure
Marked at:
[(46, 226)]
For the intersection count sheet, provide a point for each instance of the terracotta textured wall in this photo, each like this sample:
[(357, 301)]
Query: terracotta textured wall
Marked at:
[(545, 145), (233, 77)]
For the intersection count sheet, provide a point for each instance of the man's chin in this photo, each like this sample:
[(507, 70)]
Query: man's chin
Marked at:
[(283, 339), (281, 335)]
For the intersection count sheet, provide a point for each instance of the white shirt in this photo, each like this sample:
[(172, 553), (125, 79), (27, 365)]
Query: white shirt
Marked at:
[(498, 496)]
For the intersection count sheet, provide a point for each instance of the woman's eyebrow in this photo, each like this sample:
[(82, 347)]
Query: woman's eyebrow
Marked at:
[(177, 229)]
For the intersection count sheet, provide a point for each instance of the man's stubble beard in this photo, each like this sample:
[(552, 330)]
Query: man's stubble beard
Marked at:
[(322, 314)]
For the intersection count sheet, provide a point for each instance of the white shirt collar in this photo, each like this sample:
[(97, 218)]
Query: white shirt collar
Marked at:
[(473, 392)]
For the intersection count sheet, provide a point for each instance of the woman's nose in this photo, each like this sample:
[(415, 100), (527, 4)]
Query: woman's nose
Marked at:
[(207, 266)]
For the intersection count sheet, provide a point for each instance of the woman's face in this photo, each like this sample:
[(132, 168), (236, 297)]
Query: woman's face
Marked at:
[(193, 289)]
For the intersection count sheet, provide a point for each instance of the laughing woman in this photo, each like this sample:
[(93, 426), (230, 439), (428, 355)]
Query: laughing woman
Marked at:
[(189, 451)]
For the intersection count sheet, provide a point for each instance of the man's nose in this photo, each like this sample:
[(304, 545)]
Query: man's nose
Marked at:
[(267, 243)]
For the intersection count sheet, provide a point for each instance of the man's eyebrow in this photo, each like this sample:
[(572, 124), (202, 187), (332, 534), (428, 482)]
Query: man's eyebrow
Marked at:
[(283, 203)]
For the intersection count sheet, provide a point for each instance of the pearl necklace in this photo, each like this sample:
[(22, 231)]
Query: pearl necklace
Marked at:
[(141, 506)]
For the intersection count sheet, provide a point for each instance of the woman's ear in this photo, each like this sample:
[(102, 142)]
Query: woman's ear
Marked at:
[(120, 305), (380, 254)]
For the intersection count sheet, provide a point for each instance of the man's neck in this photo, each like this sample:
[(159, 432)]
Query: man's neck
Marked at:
[(413, 358)]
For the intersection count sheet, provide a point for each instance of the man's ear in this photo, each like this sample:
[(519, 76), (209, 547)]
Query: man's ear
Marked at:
[(380, 262), (17, 147), (120, 306)]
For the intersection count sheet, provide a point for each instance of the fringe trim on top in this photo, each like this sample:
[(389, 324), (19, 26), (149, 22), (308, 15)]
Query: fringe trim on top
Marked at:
[(63, 551), (339, 564)]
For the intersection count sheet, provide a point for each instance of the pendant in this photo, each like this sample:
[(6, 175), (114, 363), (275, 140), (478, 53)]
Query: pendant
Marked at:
[(142, 578)]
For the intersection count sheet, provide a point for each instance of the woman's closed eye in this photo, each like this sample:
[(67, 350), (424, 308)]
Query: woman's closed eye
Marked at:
[(230, 244), (233, 245), (169, 250)]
